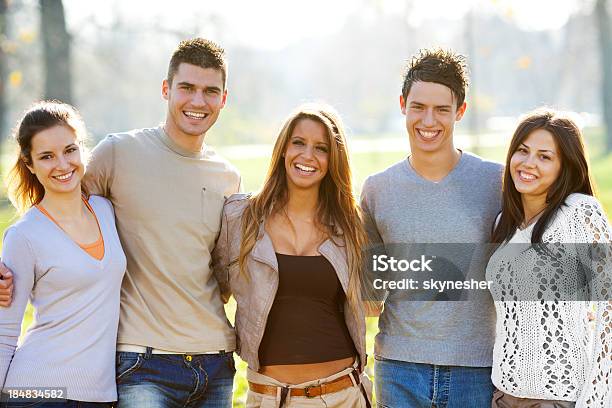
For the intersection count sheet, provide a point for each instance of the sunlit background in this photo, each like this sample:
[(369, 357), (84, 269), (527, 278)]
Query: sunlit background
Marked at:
[(351, 54), (108, 58)]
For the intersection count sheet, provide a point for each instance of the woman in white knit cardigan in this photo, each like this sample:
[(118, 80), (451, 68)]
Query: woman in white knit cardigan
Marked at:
[(553, 256)]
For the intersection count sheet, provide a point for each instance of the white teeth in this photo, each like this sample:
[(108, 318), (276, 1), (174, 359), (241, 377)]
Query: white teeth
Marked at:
[(428, 134), (195, 115), (526, 176), (305, 168), (64, 176)]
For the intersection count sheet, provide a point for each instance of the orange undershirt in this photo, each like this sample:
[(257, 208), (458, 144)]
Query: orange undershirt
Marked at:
[(96, 249)]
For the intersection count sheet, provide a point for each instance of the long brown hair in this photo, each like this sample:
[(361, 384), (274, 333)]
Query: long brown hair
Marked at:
[(574, 176), (24, 189), (337, 207)]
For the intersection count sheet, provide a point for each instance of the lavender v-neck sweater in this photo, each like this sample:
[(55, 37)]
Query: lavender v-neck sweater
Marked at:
[(71, 343)]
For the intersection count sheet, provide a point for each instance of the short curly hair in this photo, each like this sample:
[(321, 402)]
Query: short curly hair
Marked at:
[(441, 66), (200, 52)]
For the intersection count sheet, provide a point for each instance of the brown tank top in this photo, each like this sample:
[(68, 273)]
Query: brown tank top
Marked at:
[(306, 323)]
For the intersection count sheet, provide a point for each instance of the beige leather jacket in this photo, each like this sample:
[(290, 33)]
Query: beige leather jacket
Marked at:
[(256, 294)]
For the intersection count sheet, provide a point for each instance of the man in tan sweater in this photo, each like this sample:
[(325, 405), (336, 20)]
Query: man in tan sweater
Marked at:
[(168, 188)]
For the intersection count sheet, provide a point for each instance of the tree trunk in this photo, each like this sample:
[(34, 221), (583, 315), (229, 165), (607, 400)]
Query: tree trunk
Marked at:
[(56, 46), (605, 46)]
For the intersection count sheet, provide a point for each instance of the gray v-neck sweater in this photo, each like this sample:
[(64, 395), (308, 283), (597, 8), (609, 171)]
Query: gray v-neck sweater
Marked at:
[(71, 343), (404, 208)]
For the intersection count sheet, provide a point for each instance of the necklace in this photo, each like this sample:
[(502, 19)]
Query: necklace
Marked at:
[(309, 220), (531, 220), (301, 238)]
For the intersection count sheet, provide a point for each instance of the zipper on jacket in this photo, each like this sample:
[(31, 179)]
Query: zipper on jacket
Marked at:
[(267, 308), (355, 317)]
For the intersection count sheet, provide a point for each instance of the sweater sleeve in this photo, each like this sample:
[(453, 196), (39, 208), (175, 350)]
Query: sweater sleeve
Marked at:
[(374, 298), (220, 258), (594, 229), (370, 225), (18, 256), (101, 168)]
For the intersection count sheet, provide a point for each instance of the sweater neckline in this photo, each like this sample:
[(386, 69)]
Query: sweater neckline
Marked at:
[(461, 163), (63, 233), (98, 243), (181, 151)]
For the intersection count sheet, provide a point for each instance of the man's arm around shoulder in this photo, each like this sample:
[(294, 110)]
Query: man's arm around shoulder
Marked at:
[(6, 286)]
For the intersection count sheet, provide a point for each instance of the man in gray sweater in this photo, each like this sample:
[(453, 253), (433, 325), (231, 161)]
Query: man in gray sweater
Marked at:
[(433, 352)]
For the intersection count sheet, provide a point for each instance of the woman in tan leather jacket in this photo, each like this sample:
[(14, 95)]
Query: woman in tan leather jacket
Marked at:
[(291, 257)]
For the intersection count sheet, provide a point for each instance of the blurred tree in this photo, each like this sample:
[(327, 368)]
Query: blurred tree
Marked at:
[(605, 46), (56, 46), (3, 68)]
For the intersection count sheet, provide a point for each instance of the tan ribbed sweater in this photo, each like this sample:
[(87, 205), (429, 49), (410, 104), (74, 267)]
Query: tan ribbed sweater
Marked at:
[(168, 205)]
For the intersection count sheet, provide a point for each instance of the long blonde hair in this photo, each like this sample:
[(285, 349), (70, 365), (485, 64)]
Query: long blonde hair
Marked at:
[(24, 189), (337, 208)]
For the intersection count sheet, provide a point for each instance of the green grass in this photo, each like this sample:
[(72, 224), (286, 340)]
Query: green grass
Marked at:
[(253, 172)]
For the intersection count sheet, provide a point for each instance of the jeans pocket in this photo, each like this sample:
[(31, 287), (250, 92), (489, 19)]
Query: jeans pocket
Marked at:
[(380, 358), (127, 363)]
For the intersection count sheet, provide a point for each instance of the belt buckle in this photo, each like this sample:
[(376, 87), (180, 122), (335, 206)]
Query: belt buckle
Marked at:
[(307, 391)]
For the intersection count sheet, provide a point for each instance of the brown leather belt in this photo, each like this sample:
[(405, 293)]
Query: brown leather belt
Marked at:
[(312, 391)]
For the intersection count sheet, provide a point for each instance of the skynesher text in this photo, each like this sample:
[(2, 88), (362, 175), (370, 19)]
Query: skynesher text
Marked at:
[(431, 284)]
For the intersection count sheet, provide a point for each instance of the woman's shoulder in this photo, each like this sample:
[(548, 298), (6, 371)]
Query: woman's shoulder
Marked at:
[(587, 213), (101, 205), (236, 204), (96, 199), (577, 200), (28, 226), (582, 204)]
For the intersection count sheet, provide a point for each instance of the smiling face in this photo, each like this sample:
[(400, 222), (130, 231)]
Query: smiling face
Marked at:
[(307, 155), (535, 165), (195, 99), (56, 160), (431, 112)]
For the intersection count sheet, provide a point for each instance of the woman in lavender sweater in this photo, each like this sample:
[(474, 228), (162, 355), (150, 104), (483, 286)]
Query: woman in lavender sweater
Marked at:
[(67, 261)]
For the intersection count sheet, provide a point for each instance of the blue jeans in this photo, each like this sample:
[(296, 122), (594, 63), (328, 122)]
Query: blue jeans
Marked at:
[(175, 380), (401, 384)]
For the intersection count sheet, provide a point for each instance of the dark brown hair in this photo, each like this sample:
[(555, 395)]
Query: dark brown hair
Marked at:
[(440, 66), (200, 52), (24, 189), (574, 175)]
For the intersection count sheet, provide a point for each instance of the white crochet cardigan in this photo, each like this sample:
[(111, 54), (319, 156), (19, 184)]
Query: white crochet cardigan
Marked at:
[(546, 349)]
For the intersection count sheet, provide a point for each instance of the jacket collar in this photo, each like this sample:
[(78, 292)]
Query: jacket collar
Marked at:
[(263, 251), (335, 255)]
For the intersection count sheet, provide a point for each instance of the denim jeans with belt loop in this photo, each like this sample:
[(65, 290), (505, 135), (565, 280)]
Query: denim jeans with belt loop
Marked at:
[(401, 384), (175, 380)]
